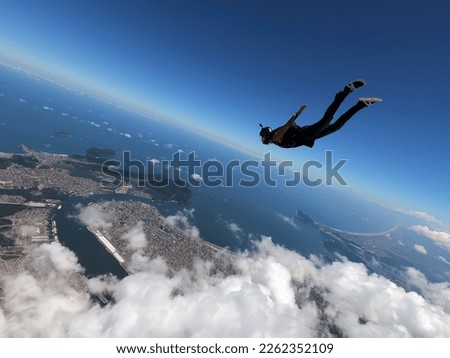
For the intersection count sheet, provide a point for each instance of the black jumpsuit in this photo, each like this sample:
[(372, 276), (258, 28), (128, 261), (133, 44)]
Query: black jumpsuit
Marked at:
[(297, 136)]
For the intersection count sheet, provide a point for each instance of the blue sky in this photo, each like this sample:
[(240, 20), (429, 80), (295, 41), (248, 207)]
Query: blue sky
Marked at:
[(222, 67)]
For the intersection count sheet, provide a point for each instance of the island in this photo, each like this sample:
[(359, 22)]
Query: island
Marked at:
[(63, 134)]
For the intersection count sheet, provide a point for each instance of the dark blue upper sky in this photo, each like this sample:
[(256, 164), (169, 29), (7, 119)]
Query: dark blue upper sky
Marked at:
[(225, 66)]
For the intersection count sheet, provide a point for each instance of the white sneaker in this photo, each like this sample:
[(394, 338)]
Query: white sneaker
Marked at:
[(354, 85), (369, 101)]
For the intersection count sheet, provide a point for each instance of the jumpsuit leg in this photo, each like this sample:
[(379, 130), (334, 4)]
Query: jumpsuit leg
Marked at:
[(341, 120), (315, 129)]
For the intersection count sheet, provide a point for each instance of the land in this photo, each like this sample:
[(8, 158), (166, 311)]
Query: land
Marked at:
[(34, 184), (63, 134), (102, 153), (178, 248)]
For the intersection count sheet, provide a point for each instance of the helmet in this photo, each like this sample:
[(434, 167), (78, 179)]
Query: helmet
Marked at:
[(265, 134)]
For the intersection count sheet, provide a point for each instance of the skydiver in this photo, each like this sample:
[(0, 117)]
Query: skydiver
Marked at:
[(292, 135)]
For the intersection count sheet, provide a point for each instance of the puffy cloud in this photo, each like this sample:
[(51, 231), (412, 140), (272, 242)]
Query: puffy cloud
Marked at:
[(62, 261), (273, 292), (94, 217), (234, 228), (28, 230), (258, 301), (39, 307), (365, 305), (269, 292), (154, 161), (420, 249), (42, 304), (441, 238), (196, 177), (436, 293), (136, 237), (182, 220), (238, 232)]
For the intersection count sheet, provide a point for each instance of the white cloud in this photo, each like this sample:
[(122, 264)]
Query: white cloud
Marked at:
[(444, 260), (95, 217), (154, 161), (63, 261), (136, 237), (182, 220), (238, 232), (42, 304), (270, 292), (441, 238), (288, 220), (47, 108), (94, 124), (261, 299), (386, 309), (420, 215), (437, 293), (28, 230), (420, 249), (196, 177), (234, 228)]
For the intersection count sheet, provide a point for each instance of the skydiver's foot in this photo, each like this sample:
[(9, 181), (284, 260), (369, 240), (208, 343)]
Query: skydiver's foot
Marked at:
[(354, 85), (369, 101)]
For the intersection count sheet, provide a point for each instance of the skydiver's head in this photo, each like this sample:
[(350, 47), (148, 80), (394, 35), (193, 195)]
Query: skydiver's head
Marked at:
[(265, 134)]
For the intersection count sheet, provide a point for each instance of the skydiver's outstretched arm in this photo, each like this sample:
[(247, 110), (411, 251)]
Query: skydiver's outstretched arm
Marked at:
[(280, 132)]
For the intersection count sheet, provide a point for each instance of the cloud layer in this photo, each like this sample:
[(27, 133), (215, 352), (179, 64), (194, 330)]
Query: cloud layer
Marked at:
[(270, 292)]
